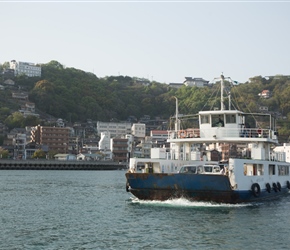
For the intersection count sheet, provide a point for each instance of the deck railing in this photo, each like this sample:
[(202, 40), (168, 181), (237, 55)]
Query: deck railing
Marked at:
[(223, 132)]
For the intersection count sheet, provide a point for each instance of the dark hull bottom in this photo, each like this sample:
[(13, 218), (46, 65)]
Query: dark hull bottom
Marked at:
[(231, 197)]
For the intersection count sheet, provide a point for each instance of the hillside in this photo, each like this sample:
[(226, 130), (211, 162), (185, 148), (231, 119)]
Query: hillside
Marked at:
[(75, 95)]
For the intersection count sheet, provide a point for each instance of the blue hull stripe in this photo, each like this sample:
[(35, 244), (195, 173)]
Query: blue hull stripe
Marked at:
[(194, 187)]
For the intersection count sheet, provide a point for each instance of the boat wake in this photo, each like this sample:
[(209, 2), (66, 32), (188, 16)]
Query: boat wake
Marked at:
[(182, 202)]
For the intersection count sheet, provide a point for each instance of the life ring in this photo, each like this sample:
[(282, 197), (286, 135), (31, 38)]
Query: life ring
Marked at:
[(268, 188), (288, 184), (275, 188), (279, 186), (181, 133), (256, 189), (127, 187)]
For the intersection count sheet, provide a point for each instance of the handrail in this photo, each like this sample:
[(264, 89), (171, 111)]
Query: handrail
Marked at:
[(226, 132)]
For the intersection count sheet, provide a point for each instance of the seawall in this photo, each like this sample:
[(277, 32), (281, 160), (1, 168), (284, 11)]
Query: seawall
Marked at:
[(59, 165)]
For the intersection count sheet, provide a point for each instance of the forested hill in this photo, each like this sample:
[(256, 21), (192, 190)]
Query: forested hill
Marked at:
[(75, 95)]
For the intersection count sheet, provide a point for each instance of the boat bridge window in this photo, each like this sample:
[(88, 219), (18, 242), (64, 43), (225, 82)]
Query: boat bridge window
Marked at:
[(217, 121), (253, 169), (283, 170), (204, 119), (230, 119)]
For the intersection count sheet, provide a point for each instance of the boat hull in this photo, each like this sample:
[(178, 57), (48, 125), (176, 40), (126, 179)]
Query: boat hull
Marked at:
[(194, 187)]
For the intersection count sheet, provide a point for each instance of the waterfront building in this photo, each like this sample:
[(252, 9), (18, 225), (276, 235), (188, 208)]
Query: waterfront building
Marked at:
[(104, 143), (159, 137), (283, 152), (65, 157), (143, 149), (56, 138), (19, 142), (120, 149)]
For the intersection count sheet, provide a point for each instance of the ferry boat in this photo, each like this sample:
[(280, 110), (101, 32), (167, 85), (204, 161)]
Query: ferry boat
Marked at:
[(223, 160)]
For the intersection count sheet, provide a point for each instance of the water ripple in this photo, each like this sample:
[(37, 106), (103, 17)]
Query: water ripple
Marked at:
[(91, 210)]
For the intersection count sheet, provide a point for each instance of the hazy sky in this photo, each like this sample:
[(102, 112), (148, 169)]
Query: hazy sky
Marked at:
[(163, 41)]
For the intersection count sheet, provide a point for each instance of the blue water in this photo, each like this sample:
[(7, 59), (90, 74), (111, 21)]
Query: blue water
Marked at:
[(92, 210)]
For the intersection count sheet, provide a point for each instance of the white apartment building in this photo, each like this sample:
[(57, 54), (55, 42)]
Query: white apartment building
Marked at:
[(198, 82), (115, 129), (159, 136), (283, 152), (26, 68), (104, 143), (139, 130)]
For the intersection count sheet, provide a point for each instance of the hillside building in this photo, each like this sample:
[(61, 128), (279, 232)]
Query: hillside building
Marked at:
[(114, 128), (198, 82), (190, 82), (176, 85), (25, 68), (139, 130)]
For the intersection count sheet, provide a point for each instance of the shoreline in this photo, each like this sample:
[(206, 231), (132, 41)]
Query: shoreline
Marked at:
[(60, 165)]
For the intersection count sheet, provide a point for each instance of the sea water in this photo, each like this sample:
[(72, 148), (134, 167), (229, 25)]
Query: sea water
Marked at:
[(92, 210)]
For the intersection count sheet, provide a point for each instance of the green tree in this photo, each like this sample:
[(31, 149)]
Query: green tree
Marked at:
[(4, 113), (4, 153), (39, 154), (31, 120), (15, 120)]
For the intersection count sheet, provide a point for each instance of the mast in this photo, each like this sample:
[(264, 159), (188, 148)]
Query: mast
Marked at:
[(222, 92), (230, 101), (177, 123)]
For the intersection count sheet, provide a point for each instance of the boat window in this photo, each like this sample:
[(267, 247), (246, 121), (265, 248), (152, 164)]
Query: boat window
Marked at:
[(260, 169), (248, 169), (217, 120), (192, 170), (253, 169), (188, 170), (283, 170), (216, 169), (199, 169), (207, 169), (204, 119), (230, 119), (271, 169)]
